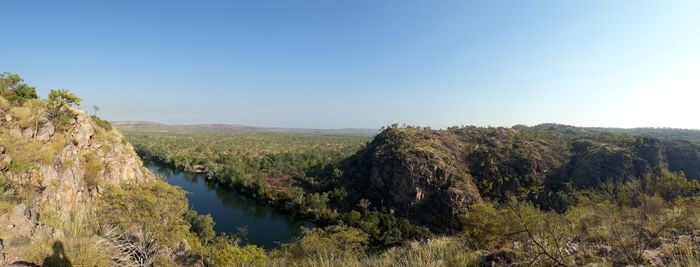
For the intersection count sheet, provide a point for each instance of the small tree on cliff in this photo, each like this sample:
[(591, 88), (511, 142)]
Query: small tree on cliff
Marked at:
[(59, 98)]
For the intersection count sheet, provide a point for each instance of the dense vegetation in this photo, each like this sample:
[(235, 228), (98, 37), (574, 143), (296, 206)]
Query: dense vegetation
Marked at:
[(292, 171), (549, 195), (507, 195)]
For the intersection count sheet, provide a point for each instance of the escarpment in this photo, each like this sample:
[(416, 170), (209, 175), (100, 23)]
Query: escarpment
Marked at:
[(66, 164), (433, 176), (53, 168)]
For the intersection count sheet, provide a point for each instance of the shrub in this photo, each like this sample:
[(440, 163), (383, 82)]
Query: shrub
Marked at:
[(146, 218), (671, 185), (225, 251), (4, 104), (201, 225), (59, 98), (335, 242), (26, 92), (93, 170), (102, 123)]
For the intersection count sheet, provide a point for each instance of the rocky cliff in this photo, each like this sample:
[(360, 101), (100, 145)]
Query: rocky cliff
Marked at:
[(432, 176), (55, 167)]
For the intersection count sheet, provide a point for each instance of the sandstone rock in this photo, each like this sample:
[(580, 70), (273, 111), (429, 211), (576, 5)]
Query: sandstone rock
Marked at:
[(45, 132), (653, 257), (8, 117), (182, 247), (28, 133), (83, 131), (5, 161), (15, 133)]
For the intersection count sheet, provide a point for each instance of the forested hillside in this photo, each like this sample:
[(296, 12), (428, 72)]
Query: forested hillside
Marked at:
[(502, 195), (433, 176)]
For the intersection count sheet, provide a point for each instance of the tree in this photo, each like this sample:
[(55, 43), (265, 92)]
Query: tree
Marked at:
[(13, 85), (9, 82), (333, 242), (95, 109), (58, 98), (201, 225), (145, 217), (26, 92)]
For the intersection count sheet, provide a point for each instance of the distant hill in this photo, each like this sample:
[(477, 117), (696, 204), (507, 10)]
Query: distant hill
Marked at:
[(660, 133), (156, 126)]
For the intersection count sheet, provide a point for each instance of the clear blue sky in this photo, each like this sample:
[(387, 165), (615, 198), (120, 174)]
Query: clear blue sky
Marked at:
[(334, 64)]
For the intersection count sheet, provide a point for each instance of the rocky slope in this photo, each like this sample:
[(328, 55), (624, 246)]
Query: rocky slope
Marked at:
[(432, 176), (56, 169)]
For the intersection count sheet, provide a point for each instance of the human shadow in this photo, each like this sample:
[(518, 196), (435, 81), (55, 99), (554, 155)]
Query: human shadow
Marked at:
[(58, 258)]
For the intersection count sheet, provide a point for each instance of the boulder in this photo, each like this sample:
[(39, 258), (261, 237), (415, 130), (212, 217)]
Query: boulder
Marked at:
[(45, 132), (653, 258), (5, 161), (83, 131)]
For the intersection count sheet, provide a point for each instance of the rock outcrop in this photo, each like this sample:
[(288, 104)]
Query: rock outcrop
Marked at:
[(61, 166), (432, 176), (68, 180)]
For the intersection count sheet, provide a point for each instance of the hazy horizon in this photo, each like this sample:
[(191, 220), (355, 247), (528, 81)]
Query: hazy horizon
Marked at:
[(365, 64)]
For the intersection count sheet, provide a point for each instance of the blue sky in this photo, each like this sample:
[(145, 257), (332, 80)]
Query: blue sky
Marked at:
[(337, 64)]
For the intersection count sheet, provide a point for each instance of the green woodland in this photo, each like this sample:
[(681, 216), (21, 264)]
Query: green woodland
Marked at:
[(548, 195)]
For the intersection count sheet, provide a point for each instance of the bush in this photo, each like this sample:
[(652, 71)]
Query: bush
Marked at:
[(26, 92), (225, 251), (201, 225), (671, 185), (333, 242), (93, 170), (146, 217), (102, 123)]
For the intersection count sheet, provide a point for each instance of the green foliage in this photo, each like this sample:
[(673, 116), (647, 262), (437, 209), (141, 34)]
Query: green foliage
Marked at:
[(59, 98), (671, 185), (281, 168), (484, 225), (225, 251), (152, 209), (26, 92), (385, 230), (334, 242), (201, 225), (102, 123), (9, 82), (13, 87)]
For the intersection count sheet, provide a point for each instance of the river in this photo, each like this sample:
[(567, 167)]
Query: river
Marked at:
[(232, 210)]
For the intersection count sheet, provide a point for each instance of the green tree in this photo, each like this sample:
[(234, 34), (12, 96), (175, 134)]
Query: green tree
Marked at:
[(9, 82), (59, 98), (225, 251), (26, 92), (201, 225)]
